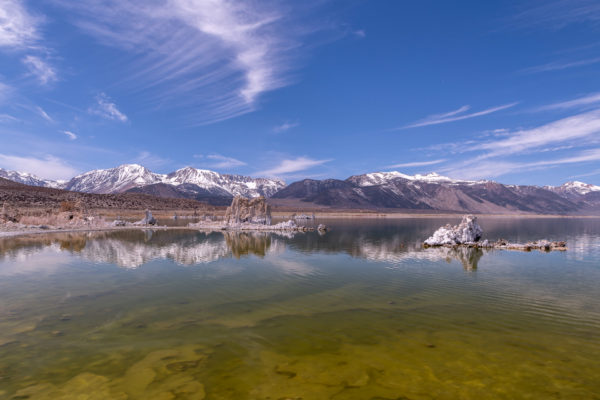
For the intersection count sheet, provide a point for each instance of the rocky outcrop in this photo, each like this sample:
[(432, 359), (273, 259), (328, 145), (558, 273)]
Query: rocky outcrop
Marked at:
[(468, 234), (254, 211), (468, 231), (147, 220), (544, 245)]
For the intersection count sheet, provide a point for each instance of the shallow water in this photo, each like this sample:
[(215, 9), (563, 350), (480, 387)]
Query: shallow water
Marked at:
[(362, 312)]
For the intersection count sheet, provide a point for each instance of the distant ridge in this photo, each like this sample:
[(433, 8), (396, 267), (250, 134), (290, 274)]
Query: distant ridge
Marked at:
[(21, 195), (376, 190), (188, 182), (433, 192)]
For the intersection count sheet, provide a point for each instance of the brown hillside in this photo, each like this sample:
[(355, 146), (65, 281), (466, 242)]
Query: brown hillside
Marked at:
[(26, 196)]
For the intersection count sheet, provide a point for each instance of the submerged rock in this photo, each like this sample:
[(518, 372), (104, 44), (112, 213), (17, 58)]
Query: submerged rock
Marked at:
[(468, 231)]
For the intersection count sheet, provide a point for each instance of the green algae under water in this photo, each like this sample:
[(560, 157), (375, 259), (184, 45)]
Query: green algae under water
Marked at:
[(360, 313)]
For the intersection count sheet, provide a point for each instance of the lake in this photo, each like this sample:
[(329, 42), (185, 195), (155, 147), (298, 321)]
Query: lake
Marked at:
[(361, 312)]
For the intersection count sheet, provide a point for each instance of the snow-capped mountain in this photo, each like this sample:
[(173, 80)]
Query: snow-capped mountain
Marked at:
[(394, 190), (236, 185), (381, 178), (188, 179), (113, 180), (29, 179), (574, 188), (389, 190)]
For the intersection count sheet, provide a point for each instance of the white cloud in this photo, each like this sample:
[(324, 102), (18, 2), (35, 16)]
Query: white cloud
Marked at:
[(7, 118), (49, 167), (592, 99), (578, 127), (292, 165), (557, 66), (149, 160), (70, 134), (495, 168), (107, 109), (212, 57), (455, 116), (18, 28), (557, 14), (360, 33), (40, 69), (224, 162), (417, 164), (5, 92), (43, 114), (286, 126), (570, 140)]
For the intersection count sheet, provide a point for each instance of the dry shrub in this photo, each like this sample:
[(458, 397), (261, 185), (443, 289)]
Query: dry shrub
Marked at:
[(67, 206)]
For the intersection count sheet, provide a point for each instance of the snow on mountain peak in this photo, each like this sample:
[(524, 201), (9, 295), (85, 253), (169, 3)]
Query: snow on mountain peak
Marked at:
[(579, 187), (29, 179), (379, 178), (127, 176)]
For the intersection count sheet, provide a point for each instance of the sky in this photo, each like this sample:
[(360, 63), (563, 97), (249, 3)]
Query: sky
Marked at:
[(507, 91)]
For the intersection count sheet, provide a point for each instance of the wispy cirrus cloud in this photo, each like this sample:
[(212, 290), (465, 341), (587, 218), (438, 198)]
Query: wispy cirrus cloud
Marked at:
[(150, 160), (286, 126), (580, 127), (558, 66), (456, 115), (416, 164), (213, 58), (557, 14), (48, 166), (5, 92), (105, 108), (288, 166), (18, 28), (70, 135), (220, 161), (494, 168), (42, 113), (590, 100), (39, 68), (7, 118), (567, 141)]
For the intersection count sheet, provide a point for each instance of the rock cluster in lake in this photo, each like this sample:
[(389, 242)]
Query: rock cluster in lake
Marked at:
[(254, 211), (468, 231), (147, 220), (468, 234)]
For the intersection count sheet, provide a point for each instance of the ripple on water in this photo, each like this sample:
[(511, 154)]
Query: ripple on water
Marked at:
[(208, 316)]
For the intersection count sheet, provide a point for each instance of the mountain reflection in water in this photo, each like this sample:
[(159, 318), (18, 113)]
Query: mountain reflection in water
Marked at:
[(132, 249), (362, 312)]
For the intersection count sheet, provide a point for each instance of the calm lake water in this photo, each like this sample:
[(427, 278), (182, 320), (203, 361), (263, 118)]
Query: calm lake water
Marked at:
[(362, 312)]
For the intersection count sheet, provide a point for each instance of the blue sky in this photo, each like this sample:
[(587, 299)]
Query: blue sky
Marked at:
[(508, 91)]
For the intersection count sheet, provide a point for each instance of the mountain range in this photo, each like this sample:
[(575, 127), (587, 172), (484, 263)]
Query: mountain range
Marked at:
[(372, 191), (188, 182)]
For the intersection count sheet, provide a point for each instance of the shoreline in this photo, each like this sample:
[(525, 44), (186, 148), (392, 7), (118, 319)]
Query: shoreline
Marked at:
[(10, 234), (347, 215), (280, 215)]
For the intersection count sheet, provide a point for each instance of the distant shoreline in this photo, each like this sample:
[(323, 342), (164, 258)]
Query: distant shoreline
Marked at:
[(375, 215), (281, 215)]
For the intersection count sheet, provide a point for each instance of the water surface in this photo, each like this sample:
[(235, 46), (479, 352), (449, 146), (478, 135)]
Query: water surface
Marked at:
[(362, 312)]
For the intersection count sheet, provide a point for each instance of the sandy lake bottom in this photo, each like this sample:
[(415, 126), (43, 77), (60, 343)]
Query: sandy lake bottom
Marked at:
[(362, 312)]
